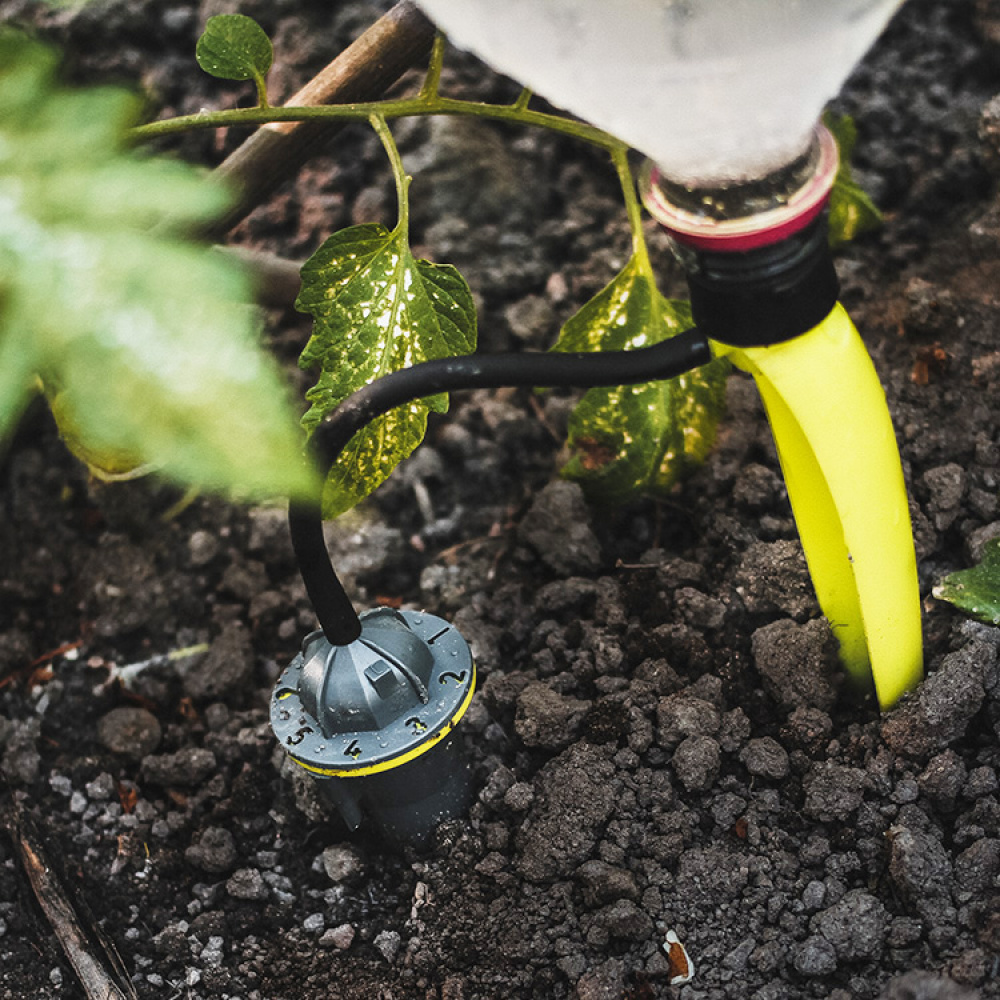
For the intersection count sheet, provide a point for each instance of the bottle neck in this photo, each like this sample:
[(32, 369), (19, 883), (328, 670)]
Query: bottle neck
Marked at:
[(756, 251), (743, 198)]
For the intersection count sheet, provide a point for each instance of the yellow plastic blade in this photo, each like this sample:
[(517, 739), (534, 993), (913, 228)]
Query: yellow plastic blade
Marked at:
[(841, 465)]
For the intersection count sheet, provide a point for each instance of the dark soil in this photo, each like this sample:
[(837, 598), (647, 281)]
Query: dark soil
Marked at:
[(661, 740)]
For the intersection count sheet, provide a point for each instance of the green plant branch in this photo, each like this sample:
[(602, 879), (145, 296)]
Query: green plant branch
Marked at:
[(261, 83), (399, 174), (432, 81), (634, 210), (405, 107), (523, 98)]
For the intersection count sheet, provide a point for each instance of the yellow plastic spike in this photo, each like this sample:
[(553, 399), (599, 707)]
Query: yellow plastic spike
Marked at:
[(841, 464)]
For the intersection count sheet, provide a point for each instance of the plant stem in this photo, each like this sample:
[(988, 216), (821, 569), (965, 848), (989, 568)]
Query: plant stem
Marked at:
[(261, 84), (401, 38), (633, 208), (432, 80), (522, 99), (363, 111), (399, 174)]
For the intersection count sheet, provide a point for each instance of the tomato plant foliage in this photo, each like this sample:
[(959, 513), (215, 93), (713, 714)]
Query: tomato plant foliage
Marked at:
[(852, 212), (976, 590), (376, 309), (139, 335), (630, 440), (235, 47)]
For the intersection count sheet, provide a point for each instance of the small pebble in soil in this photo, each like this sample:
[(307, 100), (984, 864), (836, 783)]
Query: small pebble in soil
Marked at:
[(946, 485), (773, 577), (982, 781), (213, 953), (833, 791), (187, 768), (387, 943), (531, 319), (342, 863), (796, 663), (213, 851), (247, 883), (945, 704), (942, 779), (920, 868), (60, 784), (557, 527), (855, 926), (696, 762), (547, 719), (765, 758), (573, 800), (623, 919), (101, 789), (602, 883), (814, 895), (203, 547), (977, 869), (132, 732), (814, 957), (225, 671), (681, 715), (340, 937)]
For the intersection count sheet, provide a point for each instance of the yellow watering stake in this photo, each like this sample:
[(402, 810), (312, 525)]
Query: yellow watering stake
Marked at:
[(838, 453), (764, 291)]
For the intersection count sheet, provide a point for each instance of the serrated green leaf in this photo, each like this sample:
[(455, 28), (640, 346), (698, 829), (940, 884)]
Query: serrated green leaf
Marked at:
[(141, 334), (234, 47), (976, 591), (852, 212), (640, 439), (377, 309)]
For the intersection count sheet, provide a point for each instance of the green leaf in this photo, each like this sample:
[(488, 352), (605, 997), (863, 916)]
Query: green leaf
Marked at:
[(377, 309), (640, 439), (108, 465), (141, 336), (976, 591), (852, 212), (235, 47)]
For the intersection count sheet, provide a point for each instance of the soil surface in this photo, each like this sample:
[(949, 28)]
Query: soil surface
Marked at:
[(661, 739)]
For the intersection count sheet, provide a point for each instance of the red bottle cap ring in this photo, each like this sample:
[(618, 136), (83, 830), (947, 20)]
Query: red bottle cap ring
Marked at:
[(753, 231)]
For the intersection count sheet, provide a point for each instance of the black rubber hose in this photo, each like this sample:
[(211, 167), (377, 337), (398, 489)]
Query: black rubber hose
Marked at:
[(333, 607)]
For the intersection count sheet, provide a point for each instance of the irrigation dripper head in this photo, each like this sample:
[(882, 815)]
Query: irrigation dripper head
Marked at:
[(373, 721)]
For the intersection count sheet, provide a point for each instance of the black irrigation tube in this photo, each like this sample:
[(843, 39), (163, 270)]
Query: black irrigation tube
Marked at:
[(333, 607)]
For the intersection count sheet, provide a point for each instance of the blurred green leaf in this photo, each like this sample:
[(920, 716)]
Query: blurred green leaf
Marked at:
[(852, 212), (377, 309), (107, 464), (141, 335), (640, 439), (235, 47), (976, 591)]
